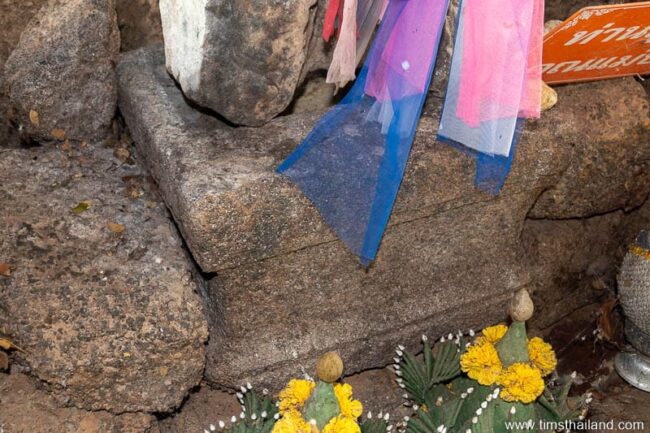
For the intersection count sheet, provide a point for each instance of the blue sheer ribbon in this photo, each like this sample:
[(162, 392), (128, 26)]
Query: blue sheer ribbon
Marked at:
[(352, 163)]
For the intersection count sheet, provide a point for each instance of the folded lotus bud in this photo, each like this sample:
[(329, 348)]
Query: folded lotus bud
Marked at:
[(521, 306), (329, 367)]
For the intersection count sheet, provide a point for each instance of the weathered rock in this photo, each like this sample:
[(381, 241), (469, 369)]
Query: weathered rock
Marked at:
[(243, 60), (139, 23), (453, 268), (102, 300), (379, 393), (286, 289), (573, 262), (61, 75), (314, 95), (606, 173), (204, 407), (623, 409), (225, 179), (450, 257), (319, 52), (563, 9), (24, 408), (14, 16)]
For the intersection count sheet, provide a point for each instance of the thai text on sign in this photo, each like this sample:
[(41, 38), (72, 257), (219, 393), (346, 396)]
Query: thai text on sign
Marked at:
[(599, 42)]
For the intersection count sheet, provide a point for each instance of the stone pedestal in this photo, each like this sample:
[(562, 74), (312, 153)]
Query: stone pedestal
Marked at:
[(284, 289)]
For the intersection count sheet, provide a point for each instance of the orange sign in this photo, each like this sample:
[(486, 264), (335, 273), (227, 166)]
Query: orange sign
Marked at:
[(599, 42)]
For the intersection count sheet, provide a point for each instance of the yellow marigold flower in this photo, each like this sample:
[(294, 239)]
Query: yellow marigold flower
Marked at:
[(294, 396), (291, 422), (349, 408), (542, 356), (481, 362), (342, 424), (493, 334), (521, 382)]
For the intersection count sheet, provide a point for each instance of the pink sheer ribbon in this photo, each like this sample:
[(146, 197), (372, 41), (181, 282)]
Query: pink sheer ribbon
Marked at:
[(501, 60)]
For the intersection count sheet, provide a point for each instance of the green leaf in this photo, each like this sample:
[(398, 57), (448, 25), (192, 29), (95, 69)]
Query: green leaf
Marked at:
[(81, 207), (375, 425), (253, 421), (423, 377)]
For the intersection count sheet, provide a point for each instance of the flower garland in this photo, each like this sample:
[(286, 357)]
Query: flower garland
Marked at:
[(521, 381), (294, 396)]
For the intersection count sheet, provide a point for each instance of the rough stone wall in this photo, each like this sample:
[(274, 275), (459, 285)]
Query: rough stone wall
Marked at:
[(14, 17)]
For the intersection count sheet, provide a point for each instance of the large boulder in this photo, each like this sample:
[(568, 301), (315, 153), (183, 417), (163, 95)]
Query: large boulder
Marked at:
[(100, 294), (285, 289), (242, 59), (60, 79), (25, 408), (606, 173)]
